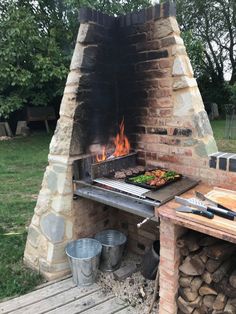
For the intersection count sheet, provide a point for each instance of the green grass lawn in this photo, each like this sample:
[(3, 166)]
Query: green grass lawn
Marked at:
[(22, 164), (224, 145)]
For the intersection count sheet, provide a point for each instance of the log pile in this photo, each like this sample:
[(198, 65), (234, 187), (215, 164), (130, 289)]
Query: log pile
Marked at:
[(207, 275)]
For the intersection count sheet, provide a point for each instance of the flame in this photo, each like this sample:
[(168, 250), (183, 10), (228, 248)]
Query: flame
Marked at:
[(122, 145), (121, 142), (103, 156)]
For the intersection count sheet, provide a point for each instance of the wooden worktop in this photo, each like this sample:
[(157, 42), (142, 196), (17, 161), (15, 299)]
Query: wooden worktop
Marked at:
[(167, 212)]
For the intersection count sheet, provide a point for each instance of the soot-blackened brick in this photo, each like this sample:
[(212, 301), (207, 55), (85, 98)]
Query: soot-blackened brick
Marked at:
[(169, 9), (157, 11), (232, 164), (161, 131), (157, 54), (182, 132)]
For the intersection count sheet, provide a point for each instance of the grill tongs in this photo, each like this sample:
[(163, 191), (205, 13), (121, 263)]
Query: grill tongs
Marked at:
[(193, 202)]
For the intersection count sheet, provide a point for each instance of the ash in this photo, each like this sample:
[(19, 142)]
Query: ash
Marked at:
[(135, 290)]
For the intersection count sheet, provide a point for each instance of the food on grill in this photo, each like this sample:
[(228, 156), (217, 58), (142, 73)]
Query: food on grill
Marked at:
[(142, 178), (123, 173), (154, 178), (120, 175)]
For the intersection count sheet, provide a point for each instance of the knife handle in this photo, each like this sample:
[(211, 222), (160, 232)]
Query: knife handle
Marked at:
[(203, 213), (222, 213)]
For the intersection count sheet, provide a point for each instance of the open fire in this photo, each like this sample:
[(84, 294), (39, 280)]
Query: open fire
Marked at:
[(122, 145)]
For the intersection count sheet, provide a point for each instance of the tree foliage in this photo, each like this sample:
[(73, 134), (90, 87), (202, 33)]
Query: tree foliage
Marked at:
[(35, 49), (209, 30)]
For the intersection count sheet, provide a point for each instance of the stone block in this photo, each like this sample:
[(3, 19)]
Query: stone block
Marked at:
[(84, 57), (180, 82), (60, 145), (44, 198), (187, 102), (34, 236), (62, 204), (206, 147), (45, 266), (56, 252), (182, 66), (53, 227), (69, 230), (68, 105), (165, 27), (202, 124)]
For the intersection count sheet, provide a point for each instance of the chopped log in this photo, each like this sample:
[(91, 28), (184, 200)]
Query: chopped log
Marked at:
[(196, 303), (220, 251), (220, 302), (212, 265), (196, 283), (219, 274), (232, 279), (192, 241), (229, 308), (206, 290), (184, 251), (187, 294), (184, 306), (208, 301), (192, 267), (180, 243), (224, 287), (185, 282), (233, 301), (207, 241), (203, 256), (206, 276)]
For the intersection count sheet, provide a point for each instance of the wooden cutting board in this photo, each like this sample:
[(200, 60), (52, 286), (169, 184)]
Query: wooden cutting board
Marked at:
[(224, 197), (216, 223)]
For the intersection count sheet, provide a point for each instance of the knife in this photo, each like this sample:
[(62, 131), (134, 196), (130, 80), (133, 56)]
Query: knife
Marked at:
[(202, 197), (213, 209), (186, 209)]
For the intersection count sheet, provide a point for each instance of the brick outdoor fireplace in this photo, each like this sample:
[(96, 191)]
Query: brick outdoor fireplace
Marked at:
[(133, 66)]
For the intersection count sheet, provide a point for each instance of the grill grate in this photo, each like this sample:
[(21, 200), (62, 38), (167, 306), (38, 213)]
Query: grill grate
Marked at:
[(122, 186)]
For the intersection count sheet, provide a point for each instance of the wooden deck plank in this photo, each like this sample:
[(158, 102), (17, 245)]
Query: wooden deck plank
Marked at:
[(109, 307), (35, 296), (83, 304), (127, 310), (58, 300)]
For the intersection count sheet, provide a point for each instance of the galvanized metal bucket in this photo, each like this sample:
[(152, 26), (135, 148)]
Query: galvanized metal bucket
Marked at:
[(84, 257), (113, 244)]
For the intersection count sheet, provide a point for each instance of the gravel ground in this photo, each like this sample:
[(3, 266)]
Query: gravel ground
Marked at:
[(135, 290)]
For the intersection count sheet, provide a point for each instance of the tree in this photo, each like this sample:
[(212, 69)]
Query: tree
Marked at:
[(35, 49), (113, 7), (213, 23)]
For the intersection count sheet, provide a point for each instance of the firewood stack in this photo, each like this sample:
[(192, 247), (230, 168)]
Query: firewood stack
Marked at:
[(207, 275)]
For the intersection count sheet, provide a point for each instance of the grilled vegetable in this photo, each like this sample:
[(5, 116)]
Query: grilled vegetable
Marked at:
[(141, 178), (170, 175)]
